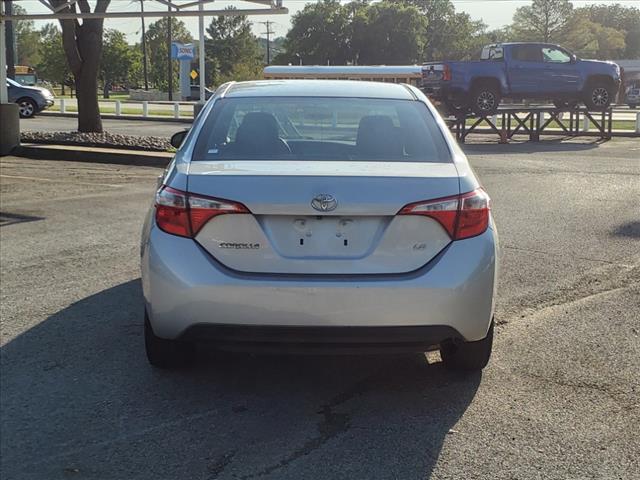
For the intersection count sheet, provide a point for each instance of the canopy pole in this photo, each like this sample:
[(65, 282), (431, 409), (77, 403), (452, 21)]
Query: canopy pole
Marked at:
[(4, 95), (201, 53)]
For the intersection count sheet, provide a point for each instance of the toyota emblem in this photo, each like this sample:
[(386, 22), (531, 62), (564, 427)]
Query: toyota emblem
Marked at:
[(324, 203)]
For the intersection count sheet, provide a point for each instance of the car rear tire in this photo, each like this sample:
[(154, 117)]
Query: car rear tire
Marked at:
[(598, 95), (467, 356), (166, 354), (27, 107), (485, 99)]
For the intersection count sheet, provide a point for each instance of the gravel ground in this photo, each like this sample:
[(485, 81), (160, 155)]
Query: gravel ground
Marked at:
[(111, 140), (559, 399)]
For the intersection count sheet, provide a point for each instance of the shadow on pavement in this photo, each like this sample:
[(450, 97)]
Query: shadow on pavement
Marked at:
[(556, 145), (629, 229), (7, 218), (80, 401)]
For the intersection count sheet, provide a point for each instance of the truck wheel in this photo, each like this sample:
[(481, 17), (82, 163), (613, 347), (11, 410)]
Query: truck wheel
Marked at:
[(598, 95), (163, 353), (468, 356), (566, 104), (485, 99)]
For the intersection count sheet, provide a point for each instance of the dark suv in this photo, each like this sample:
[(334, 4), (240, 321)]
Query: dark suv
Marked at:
[(31, 100)]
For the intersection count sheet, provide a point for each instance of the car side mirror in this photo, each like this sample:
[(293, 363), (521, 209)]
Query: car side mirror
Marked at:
[(574, 59), (178, 137)]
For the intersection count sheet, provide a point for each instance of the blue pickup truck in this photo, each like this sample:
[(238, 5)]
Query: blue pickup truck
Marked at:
[(521, 71)]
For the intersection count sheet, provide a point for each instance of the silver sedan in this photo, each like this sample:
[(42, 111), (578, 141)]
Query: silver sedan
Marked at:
[(319, 216)]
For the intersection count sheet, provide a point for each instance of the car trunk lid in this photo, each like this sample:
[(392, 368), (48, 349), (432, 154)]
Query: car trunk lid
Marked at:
[(323, 217)]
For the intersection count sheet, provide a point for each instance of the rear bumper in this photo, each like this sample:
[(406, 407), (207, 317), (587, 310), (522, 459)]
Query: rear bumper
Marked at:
[(296, 339), (188, 293), (443, 91)]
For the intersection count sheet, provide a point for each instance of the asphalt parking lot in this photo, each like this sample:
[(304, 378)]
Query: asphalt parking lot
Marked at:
[(559, 400)]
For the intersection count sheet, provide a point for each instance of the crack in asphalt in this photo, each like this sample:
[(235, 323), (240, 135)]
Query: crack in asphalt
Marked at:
[(597, 282), (546, 252), (219, 465), (605, 389), (329, 427)]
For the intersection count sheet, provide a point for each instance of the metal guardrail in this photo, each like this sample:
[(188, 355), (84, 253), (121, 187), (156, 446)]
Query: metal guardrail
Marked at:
[(538, 121)]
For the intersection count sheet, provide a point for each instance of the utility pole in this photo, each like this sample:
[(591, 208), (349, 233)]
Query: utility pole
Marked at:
[(10, 42), (268, 33), (144, 49), (169, 66)]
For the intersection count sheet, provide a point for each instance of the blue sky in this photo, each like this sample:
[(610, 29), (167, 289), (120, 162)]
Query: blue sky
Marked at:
[(495, 13)]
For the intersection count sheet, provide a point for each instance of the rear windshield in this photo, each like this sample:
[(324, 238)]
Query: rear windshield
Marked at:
[(309, 128), (492, 53)]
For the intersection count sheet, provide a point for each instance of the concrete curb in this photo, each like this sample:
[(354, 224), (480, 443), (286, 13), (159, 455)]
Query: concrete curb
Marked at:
[(93, 155), (109, 116)]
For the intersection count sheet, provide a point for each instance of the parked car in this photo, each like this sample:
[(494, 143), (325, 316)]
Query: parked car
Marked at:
[(315, 215), (30, 100), (633, 97), (521, 71)]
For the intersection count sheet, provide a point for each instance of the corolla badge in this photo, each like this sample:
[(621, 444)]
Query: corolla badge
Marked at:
[(324, 203)]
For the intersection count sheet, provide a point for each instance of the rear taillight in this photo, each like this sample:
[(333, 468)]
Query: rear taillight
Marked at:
[(462, 216), (184, 214), (446, 73)]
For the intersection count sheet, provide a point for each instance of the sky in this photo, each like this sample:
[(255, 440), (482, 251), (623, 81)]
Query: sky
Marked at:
[(494, 13)]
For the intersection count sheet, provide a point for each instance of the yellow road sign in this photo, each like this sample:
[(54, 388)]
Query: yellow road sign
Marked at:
[(194, 74)]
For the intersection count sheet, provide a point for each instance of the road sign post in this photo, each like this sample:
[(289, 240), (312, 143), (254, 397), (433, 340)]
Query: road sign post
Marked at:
[(184, 53)]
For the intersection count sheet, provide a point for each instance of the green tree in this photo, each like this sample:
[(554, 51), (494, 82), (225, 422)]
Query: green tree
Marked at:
[(393, 34), (319, 35), (543, 21), (232, 51), (136, 71), (624, 20), (448, 34), (156, 37), (27, 39), (53, 63), (592, 40), (632, 42), (438, 14), (82, 44), (116, 59)]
